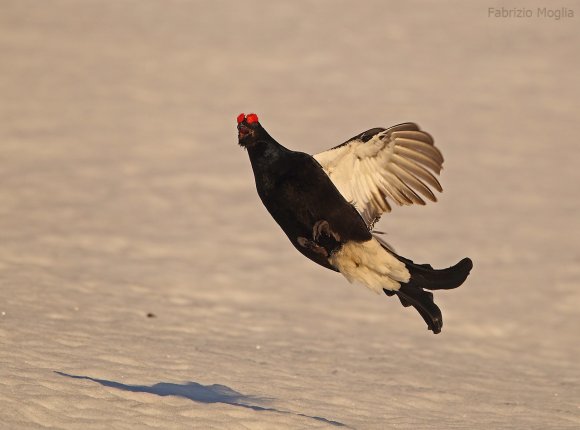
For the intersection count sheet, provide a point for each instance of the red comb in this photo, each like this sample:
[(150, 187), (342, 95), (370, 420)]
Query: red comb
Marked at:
[(241, 117), (251, 118)]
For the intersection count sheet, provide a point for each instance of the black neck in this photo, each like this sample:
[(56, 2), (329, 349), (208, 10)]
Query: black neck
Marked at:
[(265, 152)]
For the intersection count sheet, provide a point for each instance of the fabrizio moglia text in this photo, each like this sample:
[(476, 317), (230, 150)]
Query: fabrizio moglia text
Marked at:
[(540, 12)]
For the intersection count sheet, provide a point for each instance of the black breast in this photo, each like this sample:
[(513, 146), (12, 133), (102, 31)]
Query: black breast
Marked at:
[(298, 193)]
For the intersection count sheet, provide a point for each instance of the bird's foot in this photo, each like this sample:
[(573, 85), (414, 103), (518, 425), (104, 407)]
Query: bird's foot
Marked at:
[(322, 227), (309, 244)]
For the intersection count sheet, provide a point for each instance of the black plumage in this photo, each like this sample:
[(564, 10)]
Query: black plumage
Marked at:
[(319, 221)]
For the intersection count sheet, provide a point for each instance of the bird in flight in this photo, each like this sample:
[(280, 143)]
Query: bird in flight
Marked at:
[(327, 205)]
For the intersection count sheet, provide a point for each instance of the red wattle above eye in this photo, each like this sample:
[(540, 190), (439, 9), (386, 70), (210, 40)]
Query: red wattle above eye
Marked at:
[(241, 117), (251, 118)]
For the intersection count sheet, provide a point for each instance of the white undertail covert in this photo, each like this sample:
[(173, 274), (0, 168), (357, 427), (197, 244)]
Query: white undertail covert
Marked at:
[(369, 264)]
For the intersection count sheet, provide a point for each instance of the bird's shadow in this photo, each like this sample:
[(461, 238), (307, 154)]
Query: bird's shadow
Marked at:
[(215, 393)]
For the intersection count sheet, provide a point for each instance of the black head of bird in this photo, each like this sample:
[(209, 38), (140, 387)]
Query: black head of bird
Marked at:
[(250, 132)]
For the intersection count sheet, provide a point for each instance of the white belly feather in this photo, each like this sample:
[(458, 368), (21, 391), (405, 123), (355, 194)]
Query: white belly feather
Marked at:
[(369, 264)]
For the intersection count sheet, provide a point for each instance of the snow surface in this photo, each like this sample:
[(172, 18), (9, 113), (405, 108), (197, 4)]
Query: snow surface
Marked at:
[(123, 193)]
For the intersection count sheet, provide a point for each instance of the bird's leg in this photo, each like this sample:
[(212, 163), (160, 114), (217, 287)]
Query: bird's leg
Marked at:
[(323, 227), (309, 244)]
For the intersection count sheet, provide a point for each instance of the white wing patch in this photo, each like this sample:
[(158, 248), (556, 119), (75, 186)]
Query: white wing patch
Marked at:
[(395, 164)]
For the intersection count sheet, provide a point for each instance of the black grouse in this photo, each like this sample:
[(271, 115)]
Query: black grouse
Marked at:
[(327, 205)]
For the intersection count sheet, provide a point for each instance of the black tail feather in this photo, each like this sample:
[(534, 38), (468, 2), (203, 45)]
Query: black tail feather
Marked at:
[(422, 301), (424, 276)]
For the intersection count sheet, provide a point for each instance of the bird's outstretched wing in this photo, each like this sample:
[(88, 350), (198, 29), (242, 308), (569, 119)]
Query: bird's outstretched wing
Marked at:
[(396, 163)]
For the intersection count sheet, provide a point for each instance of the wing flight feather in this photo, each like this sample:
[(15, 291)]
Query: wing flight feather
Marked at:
[(383, 166)]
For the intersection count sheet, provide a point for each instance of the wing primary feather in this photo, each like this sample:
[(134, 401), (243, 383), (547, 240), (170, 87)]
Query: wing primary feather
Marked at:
[(420, 146), (391, 192), (415, 135), (393, 184), (409, 192), (419, 157), (414, 182), (406, 126), (418, 171)]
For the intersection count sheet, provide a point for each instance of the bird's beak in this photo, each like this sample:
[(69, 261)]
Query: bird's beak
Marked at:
[(244, 133)]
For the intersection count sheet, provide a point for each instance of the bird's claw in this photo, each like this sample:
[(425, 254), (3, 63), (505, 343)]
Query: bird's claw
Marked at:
[(309, 244), (322, 227)]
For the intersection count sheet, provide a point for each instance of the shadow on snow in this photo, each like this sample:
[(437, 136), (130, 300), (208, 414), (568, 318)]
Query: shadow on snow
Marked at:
[(215, 393)]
